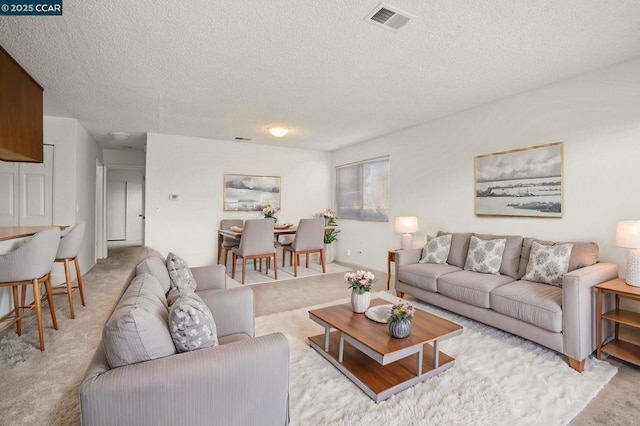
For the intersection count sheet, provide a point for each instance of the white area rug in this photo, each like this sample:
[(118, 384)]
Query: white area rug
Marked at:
[(284, 273), (497, 379)]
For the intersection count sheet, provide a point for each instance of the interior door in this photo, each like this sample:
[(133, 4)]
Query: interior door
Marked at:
[(116, 211), (135, 211)]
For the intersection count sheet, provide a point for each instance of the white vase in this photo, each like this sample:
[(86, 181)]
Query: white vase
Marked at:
[(329, 255), (360, 302)]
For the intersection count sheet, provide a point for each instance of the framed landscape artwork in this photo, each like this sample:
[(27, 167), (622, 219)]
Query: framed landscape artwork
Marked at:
[(250, 193), (521, 182)]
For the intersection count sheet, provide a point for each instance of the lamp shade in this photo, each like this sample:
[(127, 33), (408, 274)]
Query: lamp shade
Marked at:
[(628, 234), (406, 224)]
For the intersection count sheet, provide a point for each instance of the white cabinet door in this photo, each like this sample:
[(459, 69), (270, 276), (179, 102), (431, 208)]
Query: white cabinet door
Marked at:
[(135, 212), (26, 192)]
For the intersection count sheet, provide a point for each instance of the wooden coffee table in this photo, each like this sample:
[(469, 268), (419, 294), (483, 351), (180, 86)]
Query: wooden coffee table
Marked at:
[(376, 362)]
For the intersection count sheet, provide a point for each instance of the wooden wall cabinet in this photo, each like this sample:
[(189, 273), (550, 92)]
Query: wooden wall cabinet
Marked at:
[(21, 113)]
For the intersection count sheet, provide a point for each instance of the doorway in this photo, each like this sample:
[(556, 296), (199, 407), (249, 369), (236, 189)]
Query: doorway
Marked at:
[(124, 205)]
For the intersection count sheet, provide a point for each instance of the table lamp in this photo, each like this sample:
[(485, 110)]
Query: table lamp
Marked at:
[(628, 236), (406, 225)]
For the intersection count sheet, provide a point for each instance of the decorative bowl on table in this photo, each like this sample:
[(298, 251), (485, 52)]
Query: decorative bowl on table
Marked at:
[(283, 226), (236, 229), (379, 313)]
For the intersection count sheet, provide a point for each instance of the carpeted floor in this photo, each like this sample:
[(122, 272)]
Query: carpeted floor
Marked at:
[(44, 389)]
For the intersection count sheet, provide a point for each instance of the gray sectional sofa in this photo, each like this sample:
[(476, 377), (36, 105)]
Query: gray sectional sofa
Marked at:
[(137, 376), (561, 317)]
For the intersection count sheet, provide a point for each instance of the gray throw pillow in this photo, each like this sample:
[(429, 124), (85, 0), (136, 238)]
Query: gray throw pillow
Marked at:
[(485, 255), (437, 249), (548, 264), (180, 273), (191, 323)]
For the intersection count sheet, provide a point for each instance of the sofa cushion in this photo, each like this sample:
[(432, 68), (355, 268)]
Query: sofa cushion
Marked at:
[(548, 264), (437, 249), (485, 255), (511, 254), (137, 329), (180, 273), (534, 303), (155, 266), (459, 247), (583, 254), (471, 287), (191, 323), (424, 275)]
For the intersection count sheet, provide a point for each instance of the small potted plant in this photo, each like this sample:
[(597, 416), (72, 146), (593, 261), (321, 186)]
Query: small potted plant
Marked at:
[(400, 320), (270, 211), (360, 283)]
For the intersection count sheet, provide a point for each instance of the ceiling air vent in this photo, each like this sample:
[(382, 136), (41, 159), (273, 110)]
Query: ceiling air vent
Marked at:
[(388, 17)]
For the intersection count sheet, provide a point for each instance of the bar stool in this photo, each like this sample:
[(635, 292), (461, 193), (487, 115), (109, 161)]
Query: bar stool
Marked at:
[(68, 251), (30, 264)]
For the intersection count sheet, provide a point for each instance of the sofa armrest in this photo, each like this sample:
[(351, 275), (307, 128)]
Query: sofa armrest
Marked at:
[(210, 277), (579, 308), (232, 310), (405, 257), (242, 383)]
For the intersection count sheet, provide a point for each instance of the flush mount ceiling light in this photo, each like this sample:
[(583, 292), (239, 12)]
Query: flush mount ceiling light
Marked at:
[(120, 136), (278, 131)]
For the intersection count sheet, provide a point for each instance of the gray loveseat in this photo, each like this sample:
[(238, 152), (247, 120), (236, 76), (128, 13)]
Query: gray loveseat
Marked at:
[(562, 318), (242, 381)]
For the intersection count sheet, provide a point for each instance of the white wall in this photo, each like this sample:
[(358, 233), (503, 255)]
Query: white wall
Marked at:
[(193, 168), (123, 158), (74, 183), (595, 115)]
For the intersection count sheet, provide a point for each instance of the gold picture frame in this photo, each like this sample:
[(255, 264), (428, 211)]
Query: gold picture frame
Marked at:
[(524, 182), (250, 192)]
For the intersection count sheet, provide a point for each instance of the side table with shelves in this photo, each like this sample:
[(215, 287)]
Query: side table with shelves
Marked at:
[(620, 349), (391, 257)]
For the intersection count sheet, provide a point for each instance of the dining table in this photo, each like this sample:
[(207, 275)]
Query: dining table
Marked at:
[(236, 233)]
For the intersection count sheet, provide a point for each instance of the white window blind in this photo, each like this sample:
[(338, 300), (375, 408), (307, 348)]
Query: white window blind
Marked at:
[(362, 190)]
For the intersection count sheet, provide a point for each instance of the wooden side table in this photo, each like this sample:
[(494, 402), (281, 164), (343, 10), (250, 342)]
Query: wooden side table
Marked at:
[(391, 257), (621, 349)]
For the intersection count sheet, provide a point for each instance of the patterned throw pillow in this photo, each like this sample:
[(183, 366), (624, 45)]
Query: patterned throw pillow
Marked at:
[(485, 255), (191, 324), (437, 249), (548, 264), (180, 273)]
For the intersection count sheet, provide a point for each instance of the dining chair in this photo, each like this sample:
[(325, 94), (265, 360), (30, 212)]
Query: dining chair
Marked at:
[(68, 251), (30, 264), (228, 242), (256, 243), (309, 239)]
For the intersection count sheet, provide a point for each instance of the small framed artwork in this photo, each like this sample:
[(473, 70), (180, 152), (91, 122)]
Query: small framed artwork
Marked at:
[(520, 182), (250, 193)]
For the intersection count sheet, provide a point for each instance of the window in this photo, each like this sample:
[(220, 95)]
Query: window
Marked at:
[(362, 190)]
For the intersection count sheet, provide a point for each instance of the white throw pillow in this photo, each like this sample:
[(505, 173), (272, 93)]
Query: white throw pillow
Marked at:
[(548, 264), (437, 249), (485, 255)]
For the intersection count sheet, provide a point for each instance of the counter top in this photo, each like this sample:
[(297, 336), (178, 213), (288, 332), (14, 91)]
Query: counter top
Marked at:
[(12, 232)]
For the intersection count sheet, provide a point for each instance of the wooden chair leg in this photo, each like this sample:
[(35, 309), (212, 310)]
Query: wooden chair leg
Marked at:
[(307, 264), (284, 256), (16, 309), (36, 296), (244, 268), (324, 268), (275, 262), (67, 274), (295, 263), (226, 257), (79, 276), (47, 287), (233, 267)]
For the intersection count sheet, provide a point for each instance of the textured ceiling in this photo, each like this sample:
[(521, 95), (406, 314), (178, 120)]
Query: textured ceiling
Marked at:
[(228, 68)]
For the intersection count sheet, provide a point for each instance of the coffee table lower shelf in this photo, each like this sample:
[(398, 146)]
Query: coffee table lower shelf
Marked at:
[(378, 381)]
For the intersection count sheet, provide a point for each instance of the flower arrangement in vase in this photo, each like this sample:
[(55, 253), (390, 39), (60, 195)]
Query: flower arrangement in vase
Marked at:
[(270, 211), (329, 217), (360, 283), (400, 320)]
